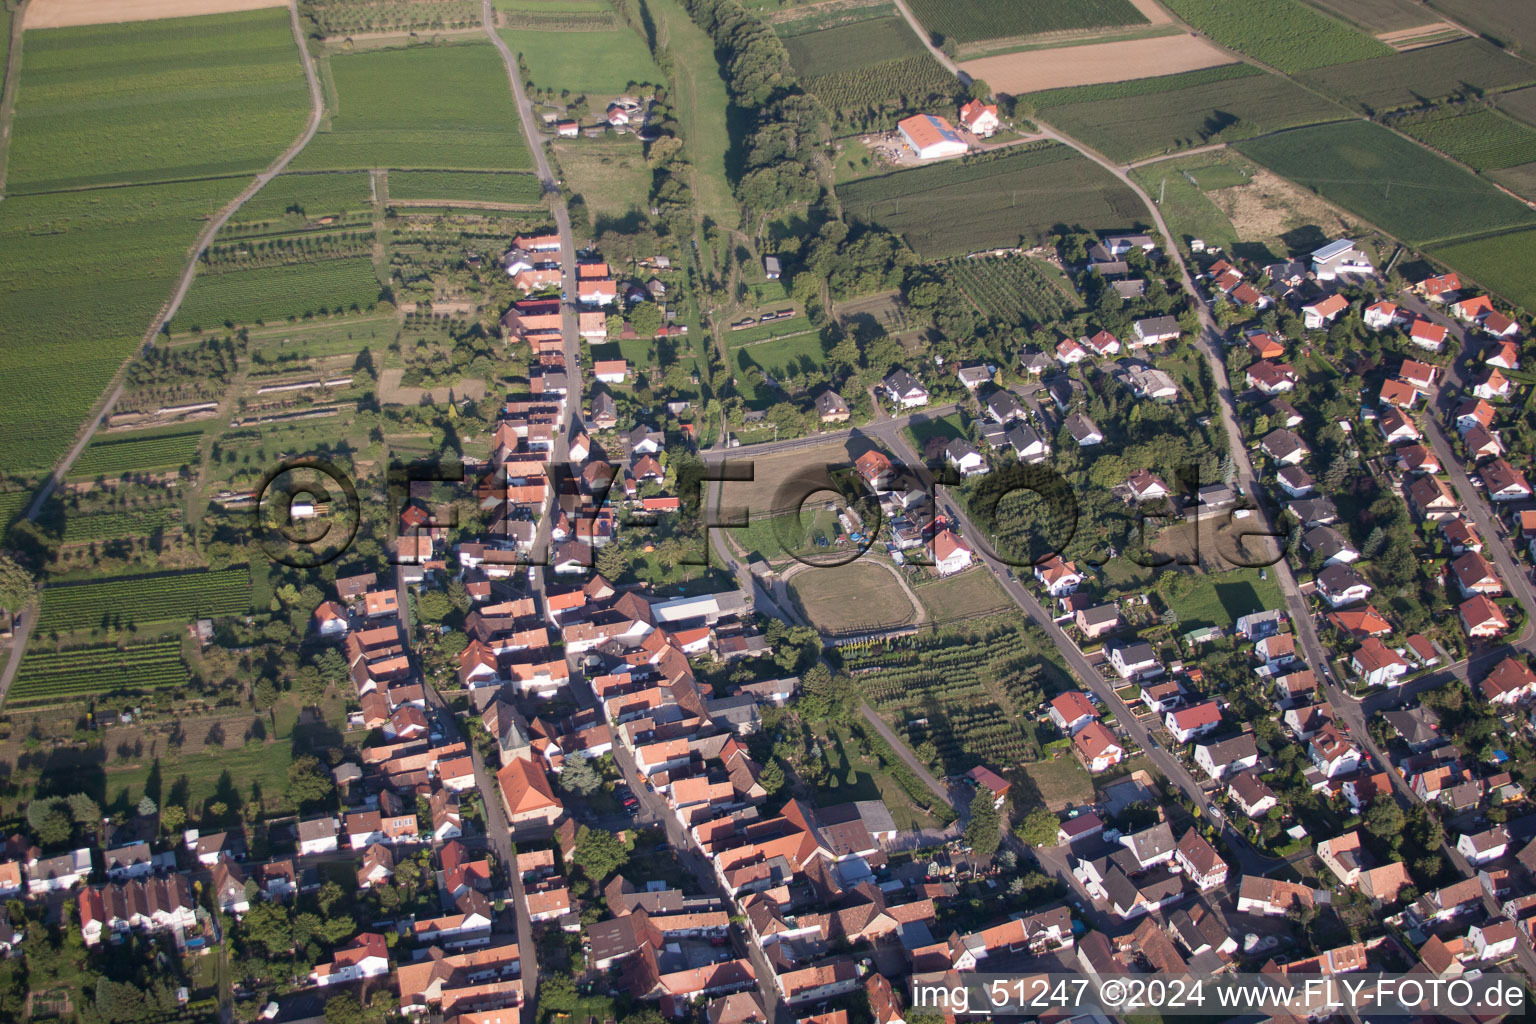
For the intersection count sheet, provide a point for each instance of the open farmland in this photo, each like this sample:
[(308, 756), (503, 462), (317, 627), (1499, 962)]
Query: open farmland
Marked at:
[(1520, 179), (598, 65), (110, 525), (146, 102), (878, 95), (1190, 213), (63, 13), (69, 312), (137, 453), (465, 186), (848, 47), (1011, 289), (1481, 139), (1111, 90), (969, 21), (1385, 179), (138, 600), (1378, 15), (1285, 34), (958, 207), (1501, 263), (345, 17), (266, 294), (1095, 63), (1520, 103), (1142, 126), (88, 671), (444, 107), (1509, 24), (1402, 80), (295, 200)]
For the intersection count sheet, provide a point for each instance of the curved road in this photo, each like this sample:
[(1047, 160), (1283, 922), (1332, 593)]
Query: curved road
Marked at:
[(172, 304)]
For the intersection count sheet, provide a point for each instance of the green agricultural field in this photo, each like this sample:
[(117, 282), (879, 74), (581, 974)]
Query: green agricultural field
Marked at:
[(610, 175), (1520, 179), (139, 600), (875, 96), (1184, 204), (138, 453), (1481, 139), (1403, 80), (1285, 34), (1520, 103), (1509, 24), (957, 207), (1011, 289), (1142, 126), (969, 21), (57, 675), (465, 186), (1379, 15), (821, 17), (443, 107), (333, 18), (1383, 178), (1502, 264), (849, 47), (1140, 86), (599, 65), (139, 522), (156, 100), (268, 294), (84, 273), (294, 200)]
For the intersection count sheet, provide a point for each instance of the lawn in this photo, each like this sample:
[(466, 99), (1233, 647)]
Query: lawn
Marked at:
[(963, 596), (968, 21), (1141, 126), (444, 107), (950, 428), (156, 101), (955, 208), (1285, 34), (701, 104), (853, 597), (1403, 188), (1401, 80), (1501, 263), (782, 357), (235, 775), (598, 65), (853, 776), (1220, 599), (1061, 783), (609, 175)]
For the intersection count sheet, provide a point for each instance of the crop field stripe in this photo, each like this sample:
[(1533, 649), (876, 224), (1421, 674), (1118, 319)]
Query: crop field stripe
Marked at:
[(1408, 80), (130, 454), (1501, 263), (111, 525), (1285, 34), (171, 597), (98, 670), (1484, 140), (513, 187), (1141, 86), (265, 294), (850, 47), (970, 21)]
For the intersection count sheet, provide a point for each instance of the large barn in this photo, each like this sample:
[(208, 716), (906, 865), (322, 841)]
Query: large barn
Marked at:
[(931, 138)]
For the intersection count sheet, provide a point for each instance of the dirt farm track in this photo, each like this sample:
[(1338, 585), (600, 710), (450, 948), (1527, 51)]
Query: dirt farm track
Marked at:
[(1092, 63), (62, 13)]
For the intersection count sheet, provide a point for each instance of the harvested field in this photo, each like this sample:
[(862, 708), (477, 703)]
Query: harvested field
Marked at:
[(859, 595), (63, 13), (1409, 37), (1095, 63)]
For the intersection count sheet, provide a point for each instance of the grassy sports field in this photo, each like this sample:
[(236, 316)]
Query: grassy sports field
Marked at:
[(1401, 187), (599, 65), (853, 596), (445, 107), (1148, 125), (955, 207), (155, 101)]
